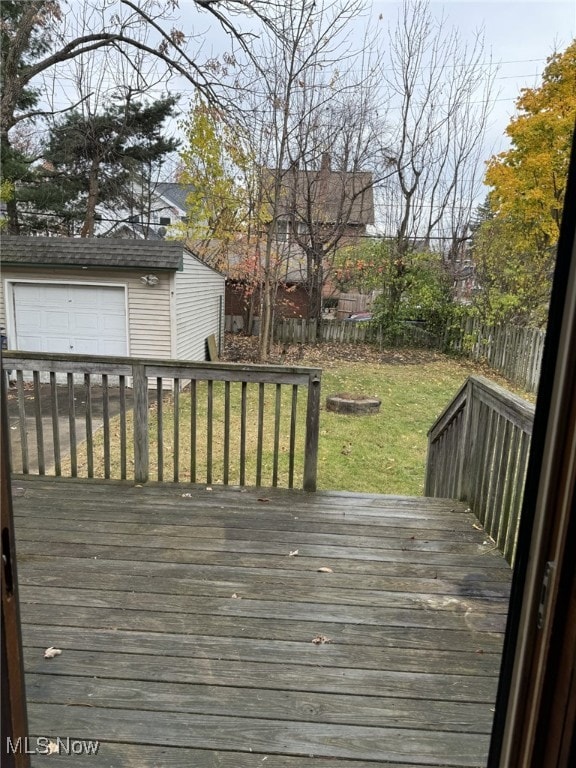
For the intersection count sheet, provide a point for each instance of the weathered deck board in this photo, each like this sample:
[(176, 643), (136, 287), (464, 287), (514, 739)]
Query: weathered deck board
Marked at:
[(186, 626)]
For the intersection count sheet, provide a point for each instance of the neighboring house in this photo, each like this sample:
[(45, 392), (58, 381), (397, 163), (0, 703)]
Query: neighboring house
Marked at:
[(100, 296), (336, 206), (465, 283), (334, 203), (291, 301), (152, 214)]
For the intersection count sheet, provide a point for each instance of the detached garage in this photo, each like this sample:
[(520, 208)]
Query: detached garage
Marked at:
[(101, 296)]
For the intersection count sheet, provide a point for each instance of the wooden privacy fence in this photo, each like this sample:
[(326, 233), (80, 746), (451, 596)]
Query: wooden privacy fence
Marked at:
[(301, 331), (514, 351), (511, 350), (113, 417), (478, 452)]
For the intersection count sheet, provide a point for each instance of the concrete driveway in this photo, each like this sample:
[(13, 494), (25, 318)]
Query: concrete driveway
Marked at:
[(63, 421)]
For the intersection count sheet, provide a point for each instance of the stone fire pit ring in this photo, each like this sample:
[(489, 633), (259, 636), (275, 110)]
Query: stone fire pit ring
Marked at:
[(355, 404)]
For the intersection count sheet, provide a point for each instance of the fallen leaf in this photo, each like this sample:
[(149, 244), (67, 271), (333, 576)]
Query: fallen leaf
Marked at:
[(186, 495), (263, 500), (235, 596), (51, 652), (321, 639), (325, 569), (208, 487), (293, 553), (477, 527), (52, 748)]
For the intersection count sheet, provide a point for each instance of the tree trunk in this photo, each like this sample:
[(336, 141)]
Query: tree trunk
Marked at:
[(315, 285), (92, 201), (265, 313), (12, 216)]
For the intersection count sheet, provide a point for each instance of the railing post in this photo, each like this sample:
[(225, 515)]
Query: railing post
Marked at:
[(312, 432), (430, 468), (466, 445), (141, 446)]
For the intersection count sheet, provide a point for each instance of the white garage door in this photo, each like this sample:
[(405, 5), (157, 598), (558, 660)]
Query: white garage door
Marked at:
[(79, 319)]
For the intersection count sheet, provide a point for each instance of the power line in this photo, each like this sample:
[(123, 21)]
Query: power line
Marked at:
[(378, 236)]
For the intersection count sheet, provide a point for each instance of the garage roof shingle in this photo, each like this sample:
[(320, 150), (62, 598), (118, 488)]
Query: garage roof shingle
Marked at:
[(91, 252)]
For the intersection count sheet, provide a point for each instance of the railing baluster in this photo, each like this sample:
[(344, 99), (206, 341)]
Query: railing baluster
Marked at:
[(89, 435), (518, 497), (492, 484), (259, 443), (277, 411), (176, 447), (123, 441), (39, 425), (508, 492), (293, 423), (209, 430), (243, 434), (106, 425), (160, 427), (226, 457), (72, 425), (487, 463), (141, 436), (193, 427), (55, 424), (503, 454), (22, 420)]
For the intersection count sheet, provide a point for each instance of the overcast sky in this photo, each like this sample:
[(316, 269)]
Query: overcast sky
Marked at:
[(520, 34)]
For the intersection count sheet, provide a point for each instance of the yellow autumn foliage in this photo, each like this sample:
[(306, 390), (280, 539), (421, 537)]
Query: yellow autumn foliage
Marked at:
[(529, 179), (528, 183)]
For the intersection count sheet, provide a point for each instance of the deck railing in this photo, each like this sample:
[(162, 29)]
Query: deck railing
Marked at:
[(478, 452), (112, 417)]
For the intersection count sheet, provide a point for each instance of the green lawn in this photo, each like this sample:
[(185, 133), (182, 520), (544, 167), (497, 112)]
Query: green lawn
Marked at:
[(383, 453)]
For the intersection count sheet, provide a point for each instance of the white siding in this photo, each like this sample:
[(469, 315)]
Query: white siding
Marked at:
[(199, 308), (149, 329)]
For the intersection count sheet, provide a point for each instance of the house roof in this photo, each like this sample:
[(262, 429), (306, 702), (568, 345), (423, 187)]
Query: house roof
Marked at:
[(91, 252), (174, 193), (130, 229), (335, 196)]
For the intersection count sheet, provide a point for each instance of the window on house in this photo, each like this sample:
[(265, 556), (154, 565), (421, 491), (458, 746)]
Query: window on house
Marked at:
[(282, 231), (165, 221)]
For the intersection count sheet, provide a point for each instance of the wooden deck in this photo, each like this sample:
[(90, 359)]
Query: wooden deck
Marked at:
[(196, 629)]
